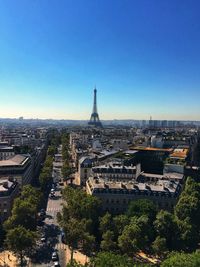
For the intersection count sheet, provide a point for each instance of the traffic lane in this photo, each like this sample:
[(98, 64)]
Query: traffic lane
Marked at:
[(54, 206), (51, 231)]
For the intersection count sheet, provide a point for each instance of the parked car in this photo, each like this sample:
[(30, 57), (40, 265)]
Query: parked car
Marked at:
[(61, 183), (42, 213), (41, 216), (40, 222), (62, 236), (52, 194), (43, 239), (54, 256)]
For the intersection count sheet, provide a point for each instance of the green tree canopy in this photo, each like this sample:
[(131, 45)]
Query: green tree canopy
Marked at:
[(135, 235), (20, 240), (120, 221), (24, 213), (106, 223), (166, 227), (32, 195), (189, 236), (159, 245), (142, 207), (108, 243), (188, 205), (80, 204), (110, 259), (78, 218), (182, 260)]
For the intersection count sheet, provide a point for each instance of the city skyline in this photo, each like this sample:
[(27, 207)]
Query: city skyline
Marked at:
[(143, 57)]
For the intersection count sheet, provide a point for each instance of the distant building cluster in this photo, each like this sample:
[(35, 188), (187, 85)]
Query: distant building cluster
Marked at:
[(119, 165)]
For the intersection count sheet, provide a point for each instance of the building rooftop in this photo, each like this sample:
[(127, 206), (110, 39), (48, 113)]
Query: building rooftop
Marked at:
[(151, 149), (6, 185), (131, 152), (14, 161), (6, 148), (113, 165), (165, 176), (158, 186), (106, 153), (180, 153)]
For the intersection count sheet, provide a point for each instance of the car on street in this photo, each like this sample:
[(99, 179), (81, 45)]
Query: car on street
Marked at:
[(40, 222), (62, 234), (52, 194), (54, 256), (43, 239), (56, 264), (42, 213)]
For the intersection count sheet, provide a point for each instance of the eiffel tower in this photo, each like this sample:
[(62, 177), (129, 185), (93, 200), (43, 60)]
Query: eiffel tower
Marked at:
[(94, 119)]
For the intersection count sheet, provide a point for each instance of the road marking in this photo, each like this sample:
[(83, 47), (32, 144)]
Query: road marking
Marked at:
[(61, 246), (53, 210)]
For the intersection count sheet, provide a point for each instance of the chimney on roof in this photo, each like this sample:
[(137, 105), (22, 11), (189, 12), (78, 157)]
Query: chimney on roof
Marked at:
[(147, 187), (11, 179), (122, 185), (5, 184), (135, 186)]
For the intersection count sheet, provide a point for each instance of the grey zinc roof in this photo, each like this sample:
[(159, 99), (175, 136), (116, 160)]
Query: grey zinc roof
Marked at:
[(14, 161)]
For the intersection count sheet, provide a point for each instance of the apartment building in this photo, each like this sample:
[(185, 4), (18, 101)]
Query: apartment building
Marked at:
[(18, 167), (9, 189)]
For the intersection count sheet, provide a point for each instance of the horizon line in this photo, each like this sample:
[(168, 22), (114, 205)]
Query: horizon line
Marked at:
[(23, 119)]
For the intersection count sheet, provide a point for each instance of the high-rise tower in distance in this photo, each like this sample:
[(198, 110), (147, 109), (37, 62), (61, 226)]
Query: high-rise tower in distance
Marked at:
[(94, 119)]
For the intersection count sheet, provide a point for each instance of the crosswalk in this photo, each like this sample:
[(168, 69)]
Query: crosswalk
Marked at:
[(61, 246), (53, 210)]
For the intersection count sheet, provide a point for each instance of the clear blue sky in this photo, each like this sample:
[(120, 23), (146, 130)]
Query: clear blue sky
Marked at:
[(143, 56)]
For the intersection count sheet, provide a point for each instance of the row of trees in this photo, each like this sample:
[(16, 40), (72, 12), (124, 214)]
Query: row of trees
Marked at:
[(131, 232), (54, 140), (110, 259), (45, 177), (21, 226), (85, 230), (79, 219), (66, 168)]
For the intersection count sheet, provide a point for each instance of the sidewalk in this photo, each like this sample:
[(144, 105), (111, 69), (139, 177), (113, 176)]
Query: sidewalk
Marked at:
[(7, 259), (78, 256)]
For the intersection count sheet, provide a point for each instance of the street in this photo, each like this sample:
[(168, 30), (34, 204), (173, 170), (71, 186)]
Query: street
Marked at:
[(51, 230)]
